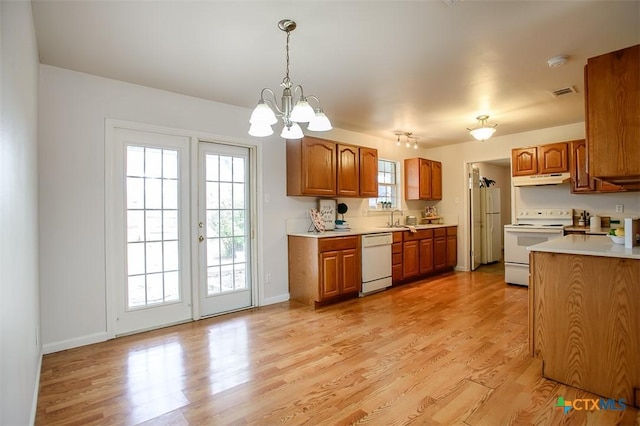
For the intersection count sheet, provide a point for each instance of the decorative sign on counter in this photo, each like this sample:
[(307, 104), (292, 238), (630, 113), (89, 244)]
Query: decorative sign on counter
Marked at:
[(327, 209)]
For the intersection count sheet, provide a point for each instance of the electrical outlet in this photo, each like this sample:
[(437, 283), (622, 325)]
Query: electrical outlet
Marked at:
[(619, 208)]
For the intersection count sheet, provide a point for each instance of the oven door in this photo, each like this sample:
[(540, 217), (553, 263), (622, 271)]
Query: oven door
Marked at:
[(517, 239)]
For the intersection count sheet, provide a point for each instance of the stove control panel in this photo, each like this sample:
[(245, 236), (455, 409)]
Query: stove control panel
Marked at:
[(545, 213)]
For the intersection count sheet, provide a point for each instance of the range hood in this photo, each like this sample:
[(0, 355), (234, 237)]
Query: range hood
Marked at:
[(540, 180)]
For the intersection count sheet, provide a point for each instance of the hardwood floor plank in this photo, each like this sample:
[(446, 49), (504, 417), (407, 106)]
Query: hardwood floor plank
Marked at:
[(450, 350)]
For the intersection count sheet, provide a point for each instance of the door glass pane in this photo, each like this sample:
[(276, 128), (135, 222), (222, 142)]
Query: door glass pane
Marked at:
[(153, 253), (226, 227)]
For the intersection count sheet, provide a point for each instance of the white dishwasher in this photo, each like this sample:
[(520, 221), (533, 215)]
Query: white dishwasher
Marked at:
[(376, 262)]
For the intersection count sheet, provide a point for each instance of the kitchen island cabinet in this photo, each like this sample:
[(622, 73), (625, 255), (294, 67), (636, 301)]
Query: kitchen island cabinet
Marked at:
[(584, 314), (324, 269)]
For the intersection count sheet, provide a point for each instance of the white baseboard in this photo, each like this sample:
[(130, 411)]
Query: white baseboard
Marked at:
[(276, 299), (62, 345)]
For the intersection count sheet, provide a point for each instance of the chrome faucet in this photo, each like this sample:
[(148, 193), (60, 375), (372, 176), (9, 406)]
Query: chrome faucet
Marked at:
[(391, 223)]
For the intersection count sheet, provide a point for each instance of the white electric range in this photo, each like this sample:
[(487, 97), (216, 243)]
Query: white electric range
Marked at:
[(532, 226)]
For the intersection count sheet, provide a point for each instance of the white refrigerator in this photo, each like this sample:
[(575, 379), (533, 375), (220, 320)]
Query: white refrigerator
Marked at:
[(491, 224)]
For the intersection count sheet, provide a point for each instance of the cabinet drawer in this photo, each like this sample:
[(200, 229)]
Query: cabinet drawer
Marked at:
[(418, 235), (396, 248), (338, 243), (397, 237), (453, 230), (440, 232), (396, 259)]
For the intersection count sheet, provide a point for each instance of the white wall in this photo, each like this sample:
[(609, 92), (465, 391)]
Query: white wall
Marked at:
[(455, 193), (20, 350)]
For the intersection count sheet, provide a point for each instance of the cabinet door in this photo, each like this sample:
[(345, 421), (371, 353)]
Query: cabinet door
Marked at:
[(368, 172), (580, 179), (612, 98), (425, 179), (318, 163), (440, 253), (452, 251), (524, 161), (348, 180), (351, 277), (330, 274), (436, 180), (426, 255), (410, 259), (553, 158)]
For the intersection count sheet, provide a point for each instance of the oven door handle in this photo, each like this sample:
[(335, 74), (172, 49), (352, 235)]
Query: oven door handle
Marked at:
[(534, 231)]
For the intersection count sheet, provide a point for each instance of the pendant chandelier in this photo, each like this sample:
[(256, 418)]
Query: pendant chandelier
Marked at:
[(483, 131), (263, 116)]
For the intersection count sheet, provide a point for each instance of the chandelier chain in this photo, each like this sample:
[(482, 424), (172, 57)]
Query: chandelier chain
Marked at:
[(286, 81)]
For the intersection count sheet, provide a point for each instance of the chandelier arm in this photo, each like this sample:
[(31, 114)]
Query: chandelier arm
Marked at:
[(273, 103)]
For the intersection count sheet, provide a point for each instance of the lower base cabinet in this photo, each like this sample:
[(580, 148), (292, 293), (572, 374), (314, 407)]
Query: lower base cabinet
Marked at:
[(425, 252), (324, 269)]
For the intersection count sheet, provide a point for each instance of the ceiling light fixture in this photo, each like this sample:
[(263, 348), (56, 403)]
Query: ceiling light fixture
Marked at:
[(483, 131), (409, 137), (263, 116)]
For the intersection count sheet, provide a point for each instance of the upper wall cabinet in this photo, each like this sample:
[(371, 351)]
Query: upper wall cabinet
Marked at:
[(322, 168), (311, 167), (581, 182), (612, 118), (422, 179), (551, 158)]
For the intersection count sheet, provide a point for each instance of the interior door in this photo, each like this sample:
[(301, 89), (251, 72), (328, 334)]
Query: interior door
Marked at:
[(151, 255), (224, 228), (476, 220)]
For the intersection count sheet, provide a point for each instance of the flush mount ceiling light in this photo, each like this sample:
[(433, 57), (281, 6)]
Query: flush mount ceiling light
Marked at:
[(409, 137), (263, 116), (483, 131)]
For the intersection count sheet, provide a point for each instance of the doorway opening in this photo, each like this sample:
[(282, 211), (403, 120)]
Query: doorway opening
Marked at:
[(489, 204)]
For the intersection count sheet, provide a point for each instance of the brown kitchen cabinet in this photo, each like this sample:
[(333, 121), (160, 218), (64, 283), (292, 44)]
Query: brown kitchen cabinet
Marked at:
[(452, 246), (422, 179), (324, 168), (324, 269), (426, 256), (581, 181), (348, 180), (612, 118), (410, 259), (543, 159), (311, 167), (368, 172), (440, 249), (396, 258)]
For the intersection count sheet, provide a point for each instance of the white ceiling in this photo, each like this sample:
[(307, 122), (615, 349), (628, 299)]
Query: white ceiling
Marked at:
[(377, 66)]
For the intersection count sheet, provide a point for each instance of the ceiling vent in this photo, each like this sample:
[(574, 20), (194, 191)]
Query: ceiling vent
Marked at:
[(563, 91)]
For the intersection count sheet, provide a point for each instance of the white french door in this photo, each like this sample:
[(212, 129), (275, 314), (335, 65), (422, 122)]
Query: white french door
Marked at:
[(151, 252), (224, 228)]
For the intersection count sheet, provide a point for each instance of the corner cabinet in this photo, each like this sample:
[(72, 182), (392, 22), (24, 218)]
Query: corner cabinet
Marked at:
[(538, 160), (323, 168), (612, 118), (581, 181), (422, 179), (324, 269)]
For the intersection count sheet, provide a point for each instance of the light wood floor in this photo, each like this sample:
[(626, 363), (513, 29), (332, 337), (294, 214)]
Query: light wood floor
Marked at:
[(452, 350)]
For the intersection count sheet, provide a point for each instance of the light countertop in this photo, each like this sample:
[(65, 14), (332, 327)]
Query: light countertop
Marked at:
[(369, 230), (588, 245)]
